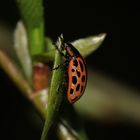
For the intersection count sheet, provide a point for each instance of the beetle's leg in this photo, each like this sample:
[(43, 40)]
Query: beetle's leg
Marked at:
[(60, 65)]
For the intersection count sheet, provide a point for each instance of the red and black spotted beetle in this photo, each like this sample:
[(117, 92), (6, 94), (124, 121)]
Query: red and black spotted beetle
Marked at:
[(76, 72)]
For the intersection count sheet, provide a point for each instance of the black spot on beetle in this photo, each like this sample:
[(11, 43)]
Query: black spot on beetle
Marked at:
[(78, 87), (75, 63), (74, 79), (83, 78), (73, 70), (71, 91), (78, 73), (81, 65)]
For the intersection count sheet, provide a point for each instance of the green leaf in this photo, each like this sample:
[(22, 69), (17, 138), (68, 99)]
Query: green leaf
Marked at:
[(32, 17), (31, 12), (88, 45), (55, 94)]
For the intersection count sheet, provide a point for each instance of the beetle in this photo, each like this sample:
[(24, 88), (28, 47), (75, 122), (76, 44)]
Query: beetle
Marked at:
[(76, 71)]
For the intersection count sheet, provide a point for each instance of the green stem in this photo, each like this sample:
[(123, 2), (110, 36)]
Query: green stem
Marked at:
[(55, 95), (36, 40), (32, 16)]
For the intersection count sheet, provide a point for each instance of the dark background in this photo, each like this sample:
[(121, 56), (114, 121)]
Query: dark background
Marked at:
[(118, 57)]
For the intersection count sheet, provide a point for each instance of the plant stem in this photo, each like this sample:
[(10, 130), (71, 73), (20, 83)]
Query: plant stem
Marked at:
[(55, 95), (32, 16)]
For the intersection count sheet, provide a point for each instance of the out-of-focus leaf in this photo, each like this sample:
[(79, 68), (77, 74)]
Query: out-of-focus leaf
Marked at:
[(6, 43), (15, 74), (33, 19), (21, 47), (88, 45), (109, 100)]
